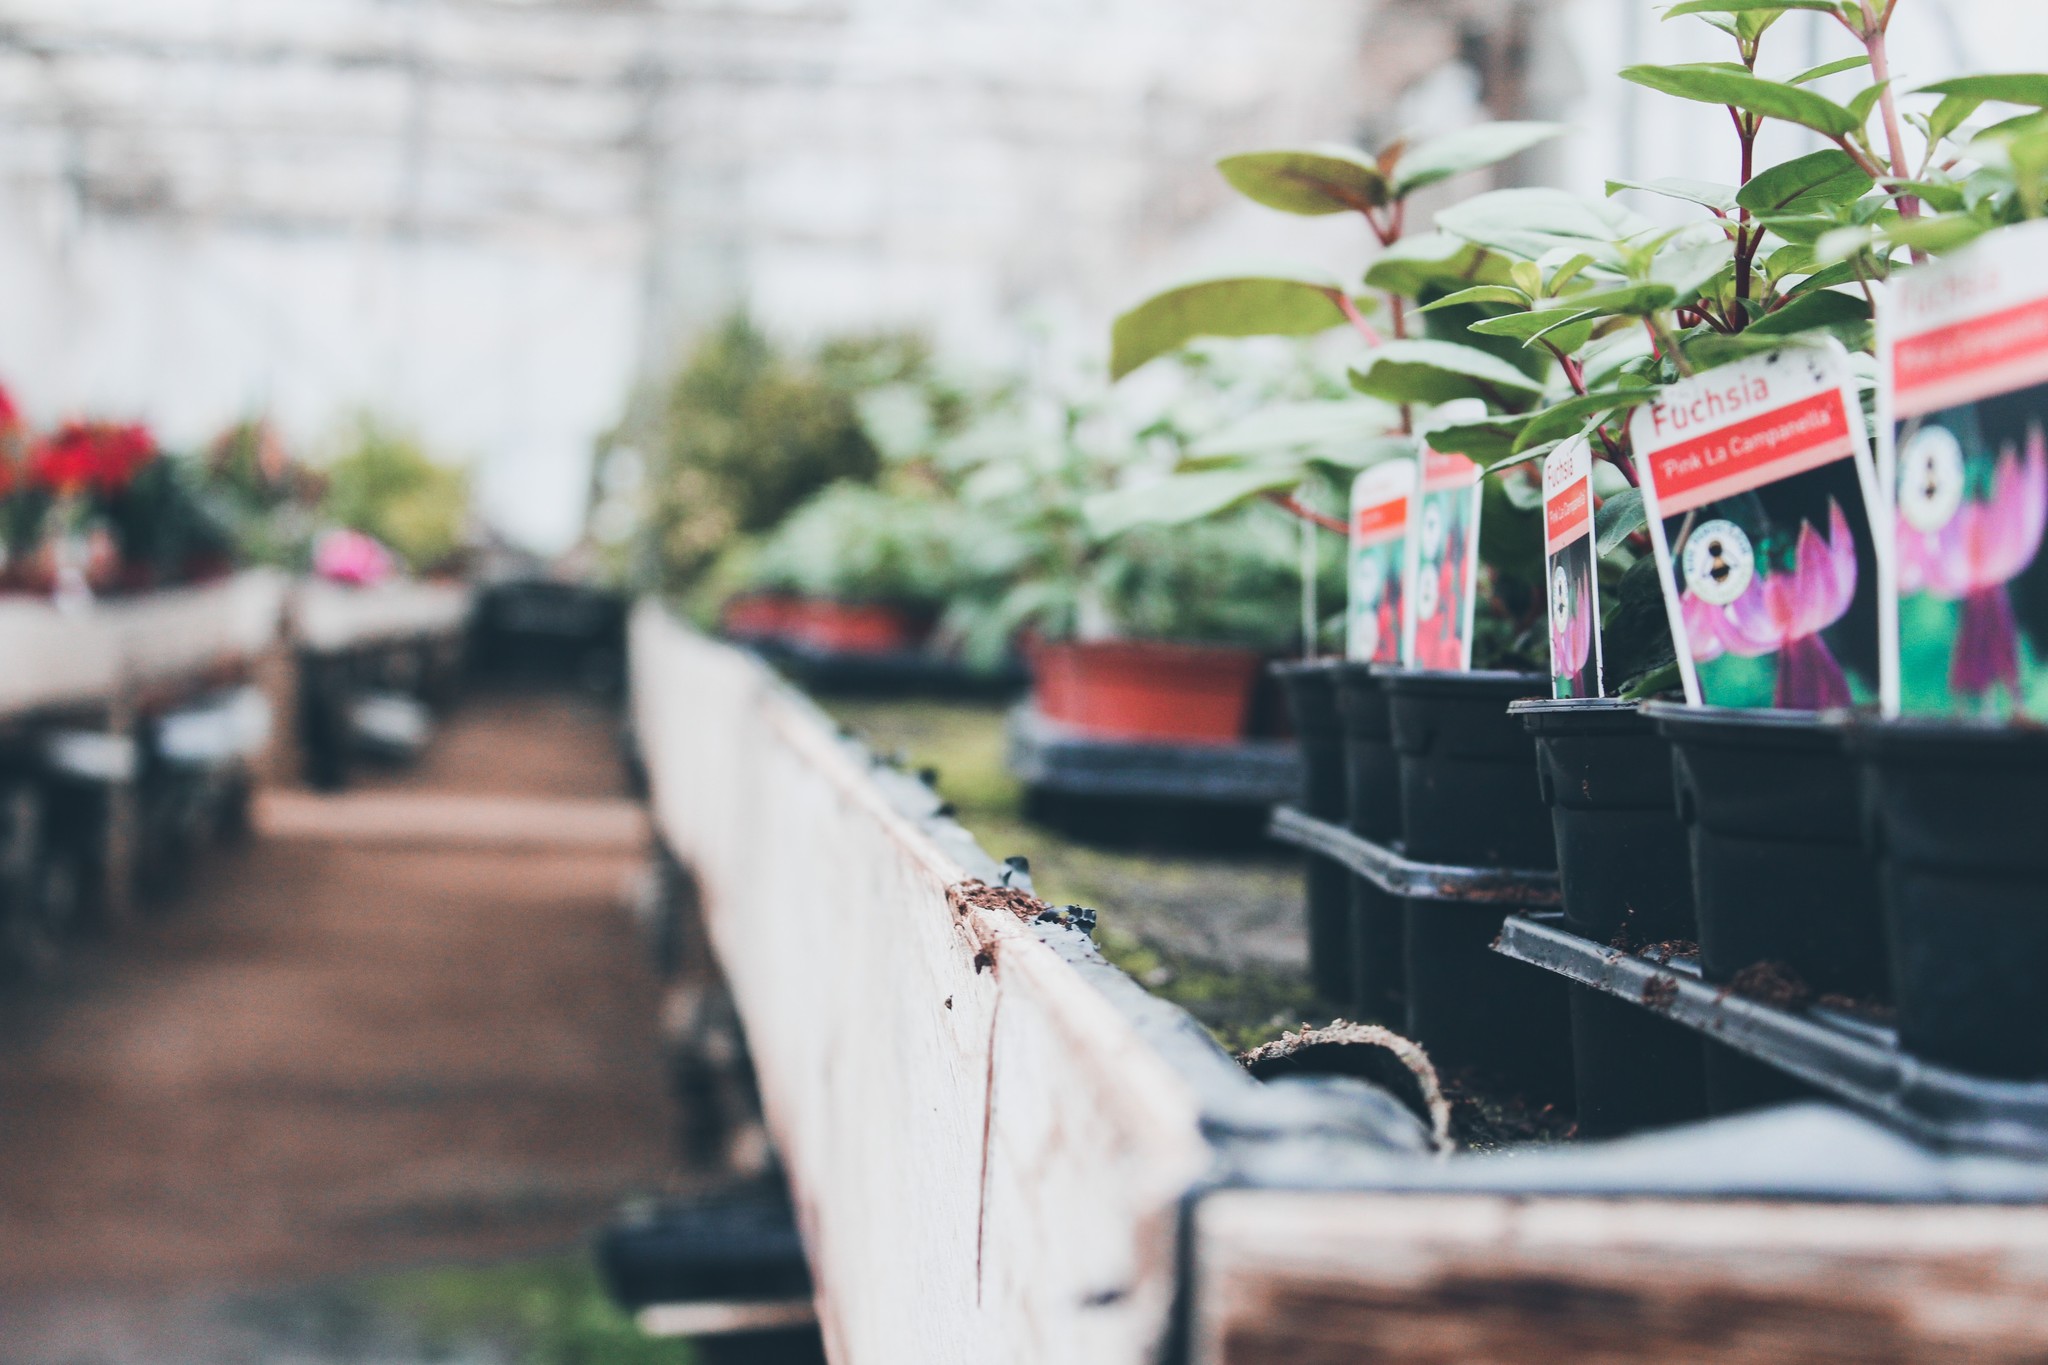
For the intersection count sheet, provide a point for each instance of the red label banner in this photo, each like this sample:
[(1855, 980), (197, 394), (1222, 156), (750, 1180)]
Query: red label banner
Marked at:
[(1785, 441)]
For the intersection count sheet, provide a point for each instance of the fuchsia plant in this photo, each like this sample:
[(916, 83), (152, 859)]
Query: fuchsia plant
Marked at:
[(1561, 314)]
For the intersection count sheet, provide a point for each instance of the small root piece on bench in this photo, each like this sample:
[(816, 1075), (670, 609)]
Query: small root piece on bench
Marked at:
[(1367, 1052)]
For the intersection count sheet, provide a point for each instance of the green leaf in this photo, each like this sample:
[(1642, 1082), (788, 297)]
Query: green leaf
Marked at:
[(1484, 293), (1712, 83), (1840, 273), (1435, 372), (1351, 456), (1748, 6), (1866, 100), (1800, 229), (1566, 328), (1820, 308), (1939, 195), (1938, 234), (2025, 88), (2021, 125), (1829, 176), (1226, 306), (1569, 418), (1308, 180), (1297, 426), (1617, 518), (1950, 115), (1433, 260), (1468, 149), (1827, 69), (1520, 458), (1707, 194), (1530, 222), (1690, 262), (1485, 440), (1181, 498)]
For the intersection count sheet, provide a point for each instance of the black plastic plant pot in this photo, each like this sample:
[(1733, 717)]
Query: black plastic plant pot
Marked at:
[(1469, 794), (1469, 797), (1312, 697), (1623, 861), (1625, 873), (1632, 1069), (1372, 809), (1737, 1084), (1783, 885), (1474, 1009), (1954, 815)]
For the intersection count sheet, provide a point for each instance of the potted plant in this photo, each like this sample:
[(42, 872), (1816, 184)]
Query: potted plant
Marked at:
[(860, 570), (1278, 455), (1950, 773), (1782, 882), (1138, 630)]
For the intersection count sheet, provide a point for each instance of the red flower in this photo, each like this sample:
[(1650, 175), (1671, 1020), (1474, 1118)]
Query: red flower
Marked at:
[(10, 415), (102, 456)]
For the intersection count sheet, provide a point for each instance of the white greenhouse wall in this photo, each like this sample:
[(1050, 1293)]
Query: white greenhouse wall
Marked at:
[(487, 218)]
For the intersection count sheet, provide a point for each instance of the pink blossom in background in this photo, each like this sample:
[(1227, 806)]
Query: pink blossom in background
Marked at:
[(1784, 613), (1983, 547), (351, 557)]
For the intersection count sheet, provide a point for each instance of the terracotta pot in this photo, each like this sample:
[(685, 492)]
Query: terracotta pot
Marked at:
[(759, 616), (1147, 689), (857, 627)]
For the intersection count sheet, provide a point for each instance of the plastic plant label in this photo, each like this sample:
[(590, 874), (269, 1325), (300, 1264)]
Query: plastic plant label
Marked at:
[(1963, 460), (1757, 478), (1379, 534), (1443, 565), (1571, 571)]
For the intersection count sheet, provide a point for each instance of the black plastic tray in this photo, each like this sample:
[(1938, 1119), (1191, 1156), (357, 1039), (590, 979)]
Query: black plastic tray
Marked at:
[(1850, 1058), (1051, 757), (1385, 867), (897, 672)]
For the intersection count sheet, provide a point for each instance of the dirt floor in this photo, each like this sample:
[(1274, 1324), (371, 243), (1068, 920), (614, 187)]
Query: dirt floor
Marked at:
[(333, 1059)]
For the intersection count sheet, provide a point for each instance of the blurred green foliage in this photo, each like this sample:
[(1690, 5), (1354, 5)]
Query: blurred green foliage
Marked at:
[(739, 438), (385, 485)]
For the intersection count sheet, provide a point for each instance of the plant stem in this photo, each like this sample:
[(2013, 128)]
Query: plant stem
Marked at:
[(1666, 344), (1873, 36), (1356, 318), (1617, 457), (1293, 507), (1745, 244), (1574, 373)]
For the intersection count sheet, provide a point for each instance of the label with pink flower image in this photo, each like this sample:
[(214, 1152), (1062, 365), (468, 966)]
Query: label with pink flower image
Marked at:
[(1757, 478), (1379, 537), (1964, 459), (1570, 571), (1441, 577)]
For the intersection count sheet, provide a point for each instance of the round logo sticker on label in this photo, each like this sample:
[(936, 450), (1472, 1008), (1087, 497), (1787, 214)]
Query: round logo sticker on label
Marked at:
[(1432, 528), (1560, 599), (1425, 597), (1719, 562), (1365, 634), (1366, 578), (1931, 479)]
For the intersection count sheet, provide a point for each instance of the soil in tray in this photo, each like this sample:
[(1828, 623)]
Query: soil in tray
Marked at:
[(1489, 1117), (1217, 931)]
